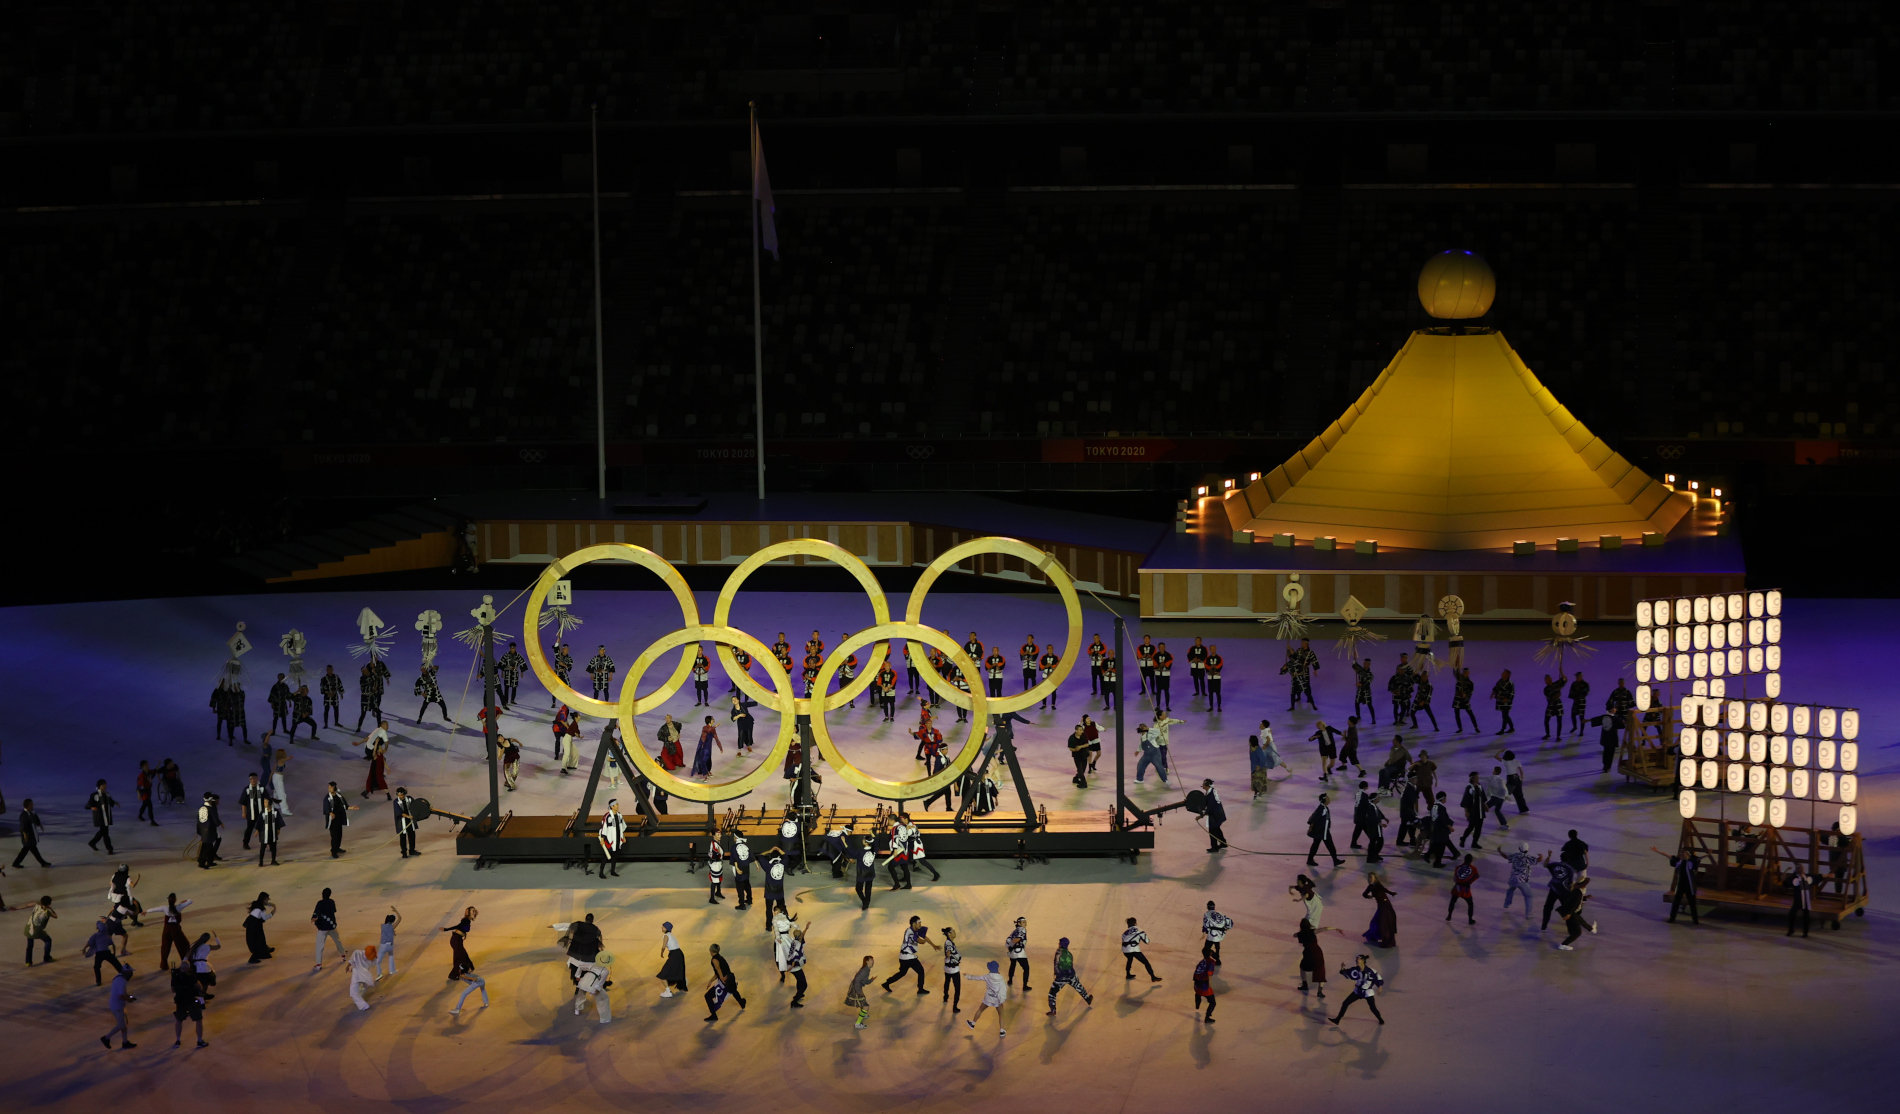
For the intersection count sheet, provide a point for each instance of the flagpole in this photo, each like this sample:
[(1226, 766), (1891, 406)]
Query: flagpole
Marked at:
[(758, 334), (600, 365)]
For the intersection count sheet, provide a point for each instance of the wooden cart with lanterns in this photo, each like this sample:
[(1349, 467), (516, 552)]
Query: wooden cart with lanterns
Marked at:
[(1648, 751), (1749, 866)]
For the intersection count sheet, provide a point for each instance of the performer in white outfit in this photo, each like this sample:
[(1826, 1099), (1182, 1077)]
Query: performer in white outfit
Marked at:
[(362, 973), (593, 984), (995, 990)]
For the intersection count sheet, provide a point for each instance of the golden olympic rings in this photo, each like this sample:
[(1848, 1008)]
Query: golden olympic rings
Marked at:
[(837, 555), (782, 698), (979, 704), (659, 775), (610, 551), (1071, 606)]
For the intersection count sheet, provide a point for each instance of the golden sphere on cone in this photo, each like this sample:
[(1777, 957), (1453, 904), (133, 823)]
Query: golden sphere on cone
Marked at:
[(1457, 285)]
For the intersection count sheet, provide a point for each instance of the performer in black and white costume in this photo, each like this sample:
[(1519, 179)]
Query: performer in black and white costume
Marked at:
[(510, 668), (251, 803), (867, 874), (914, 841), (601, 668), (836, 847), (430, 690), (1215, 925), (788, 951), (774, 887), (1018, 948), (613, 832), (739, 855), (1366, 983), (209, 825), (330, 686), (269, 822), (401, 808), (916, 933), (1132, 940)]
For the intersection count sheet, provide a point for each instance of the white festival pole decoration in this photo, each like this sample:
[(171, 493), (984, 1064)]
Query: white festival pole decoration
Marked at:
[(292, 644)]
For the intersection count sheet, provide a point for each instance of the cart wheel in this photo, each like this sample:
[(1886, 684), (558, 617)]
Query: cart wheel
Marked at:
[(1861, 912), (1837, 924)]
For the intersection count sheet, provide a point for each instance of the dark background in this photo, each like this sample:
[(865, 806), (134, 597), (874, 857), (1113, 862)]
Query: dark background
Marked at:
[(273, 268)]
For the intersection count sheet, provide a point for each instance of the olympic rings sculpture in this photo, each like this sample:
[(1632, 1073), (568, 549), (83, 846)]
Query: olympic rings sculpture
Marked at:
[(780, 695)]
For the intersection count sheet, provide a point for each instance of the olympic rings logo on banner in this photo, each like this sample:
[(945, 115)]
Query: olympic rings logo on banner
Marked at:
[(780, 696)]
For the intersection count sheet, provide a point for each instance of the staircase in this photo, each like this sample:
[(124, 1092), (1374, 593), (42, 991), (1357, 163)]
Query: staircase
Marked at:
[(411, 537)]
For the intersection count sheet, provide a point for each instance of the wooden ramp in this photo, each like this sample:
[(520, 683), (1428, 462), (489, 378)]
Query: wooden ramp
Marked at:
[(682, 836)]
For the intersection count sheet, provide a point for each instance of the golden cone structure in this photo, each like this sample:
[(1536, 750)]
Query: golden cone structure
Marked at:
[(1456, 446)]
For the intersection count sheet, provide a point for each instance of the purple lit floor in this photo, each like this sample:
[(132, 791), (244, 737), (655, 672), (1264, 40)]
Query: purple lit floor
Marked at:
[(1726, 1016)]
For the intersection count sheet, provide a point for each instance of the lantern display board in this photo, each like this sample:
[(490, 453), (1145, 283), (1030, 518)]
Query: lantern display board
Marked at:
[(1763, 785)]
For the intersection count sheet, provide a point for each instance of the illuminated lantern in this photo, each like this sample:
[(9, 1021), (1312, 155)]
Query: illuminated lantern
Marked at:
[(1685, 803), (1758, 717), (1757, 779), (1718, 636), (1690, 742), (1687, 772), (1737, 746), (1684, 636), (1800, 719), (1644, 641), (1701, 665), (1824, 787), (1685, 610), (1755, 657), (1774, 601), (1756, 604), (1777, 782), (1642, 698), (1642, 669), (1717, 688), (1737, 713), (1755, 631), (1757, 748), (1850, 788), (1778, 812), (1778, 717), (1701, 637), (1702, 609), (1734, 661), (1771, 659), (1798, 783), (1850, 724), (1682, 667), (1850, 819), (1828, 721), (1734, 605), (1718, 608), (1642, 617), (1798, 752), (1710, 773), (1850, 755), (1737, 777), (1824, 754), (1778, 750), (1771, 684), (1757, 810), (1661, 671), (1772, 629)]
